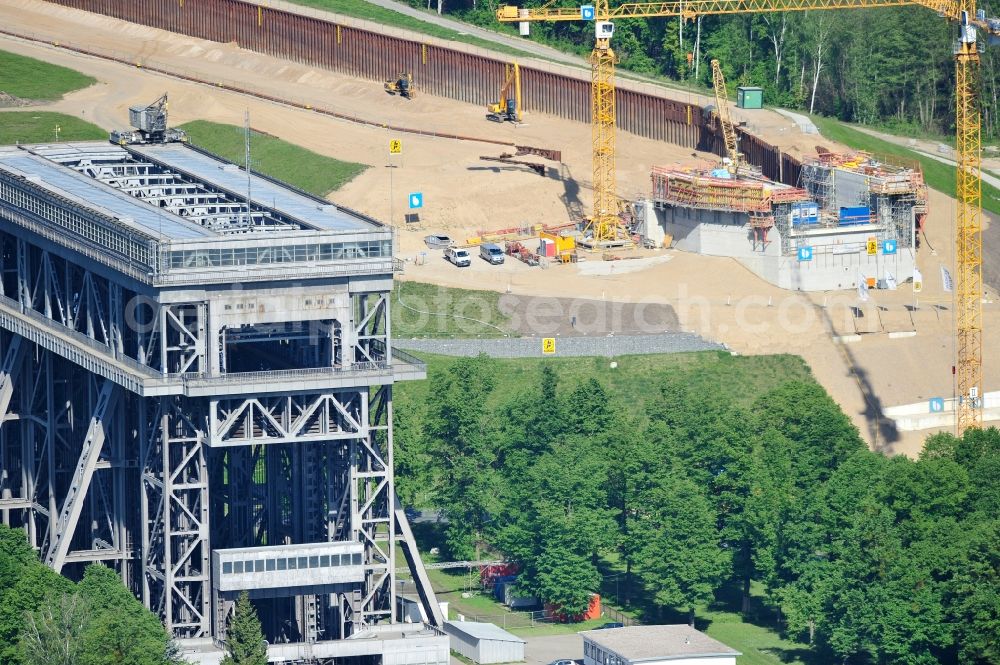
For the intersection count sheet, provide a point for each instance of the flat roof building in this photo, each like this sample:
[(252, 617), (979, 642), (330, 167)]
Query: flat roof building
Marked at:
[(484, 642), (677, 644)]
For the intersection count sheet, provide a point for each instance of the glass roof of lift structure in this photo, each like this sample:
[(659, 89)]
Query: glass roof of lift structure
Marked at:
[(174, 191), (82, 190)]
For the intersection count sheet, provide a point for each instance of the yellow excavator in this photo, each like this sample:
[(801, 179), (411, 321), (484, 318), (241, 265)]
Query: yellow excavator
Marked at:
[(508, 109), (402, 85)]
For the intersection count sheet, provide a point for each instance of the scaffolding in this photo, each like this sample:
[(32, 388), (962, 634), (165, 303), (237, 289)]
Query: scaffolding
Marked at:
[(893, 190), (693, 189)]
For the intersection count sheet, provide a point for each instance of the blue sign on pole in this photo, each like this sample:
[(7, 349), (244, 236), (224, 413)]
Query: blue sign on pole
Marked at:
[(416, 200), (936, 404), (889, 247), (805, 253), (587, 12)]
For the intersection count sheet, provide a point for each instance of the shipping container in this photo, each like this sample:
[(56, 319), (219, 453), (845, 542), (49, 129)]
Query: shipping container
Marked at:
[(748, 97), (855, 215), (805, 213)]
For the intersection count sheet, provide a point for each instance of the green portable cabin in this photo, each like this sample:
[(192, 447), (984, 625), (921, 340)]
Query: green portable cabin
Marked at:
[(749, 97)]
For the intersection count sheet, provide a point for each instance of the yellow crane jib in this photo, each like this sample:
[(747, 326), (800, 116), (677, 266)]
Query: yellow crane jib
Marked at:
[(728, 128), (969, 281)]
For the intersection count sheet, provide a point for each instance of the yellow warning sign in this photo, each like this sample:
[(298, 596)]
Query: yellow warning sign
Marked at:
[(395, 147), (548, 345), (872, 247)]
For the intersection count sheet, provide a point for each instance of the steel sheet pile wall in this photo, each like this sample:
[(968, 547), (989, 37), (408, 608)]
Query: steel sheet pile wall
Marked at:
[(438, 71)]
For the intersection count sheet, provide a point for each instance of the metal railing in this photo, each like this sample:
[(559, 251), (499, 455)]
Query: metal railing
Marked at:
[(268, 376), (61, 330)]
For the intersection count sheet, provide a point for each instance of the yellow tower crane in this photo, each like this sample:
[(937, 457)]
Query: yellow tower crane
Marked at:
[(969, 281), (722, 110)]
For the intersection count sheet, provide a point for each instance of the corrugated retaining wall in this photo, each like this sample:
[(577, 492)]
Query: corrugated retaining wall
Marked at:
[(437, 70)]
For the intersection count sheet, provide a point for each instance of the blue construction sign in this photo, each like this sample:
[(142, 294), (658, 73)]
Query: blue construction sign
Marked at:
[(805, 253), (936, 404), (587, 12), (416, 200), (889, 247)]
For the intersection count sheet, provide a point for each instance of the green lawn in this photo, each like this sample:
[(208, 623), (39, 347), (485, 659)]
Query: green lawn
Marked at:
[(271, 156), (759, 645), (445, 306), (736, 379), (40, 127), (32, 79), (370, 12), (938, 175)]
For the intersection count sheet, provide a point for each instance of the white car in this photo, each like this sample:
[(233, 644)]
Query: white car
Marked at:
[(459, 256)]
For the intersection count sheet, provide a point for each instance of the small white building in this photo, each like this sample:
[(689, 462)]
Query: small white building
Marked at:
[(484, 642), (677, 644)]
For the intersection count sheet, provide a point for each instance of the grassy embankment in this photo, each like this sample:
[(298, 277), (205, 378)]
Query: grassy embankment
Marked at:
[(36, 81), (938, 175), (40, 127), (299, 167), (739, 380), (445, 306)]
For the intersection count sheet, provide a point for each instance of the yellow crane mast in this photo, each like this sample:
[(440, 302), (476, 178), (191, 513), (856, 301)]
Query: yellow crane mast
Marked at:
[(969, 282), (722, 110)]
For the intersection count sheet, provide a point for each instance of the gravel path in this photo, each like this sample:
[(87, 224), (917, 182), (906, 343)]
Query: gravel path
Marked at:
[(531, 347)]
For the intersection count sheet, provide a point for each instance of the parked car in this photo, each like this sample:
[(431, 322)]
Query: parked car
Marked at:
[(613, 624), (563, 661), (459, 256), (491, 253)]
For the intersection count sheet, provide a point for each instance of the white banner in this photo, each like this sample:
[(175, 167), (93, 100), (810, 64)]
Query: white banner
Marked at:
[(946, 282), (918, 281)]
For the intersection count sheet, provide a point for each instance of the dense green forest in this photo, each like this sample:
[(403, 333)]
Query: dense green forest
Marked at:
[(890, 67), (45, 619), (708, 478)]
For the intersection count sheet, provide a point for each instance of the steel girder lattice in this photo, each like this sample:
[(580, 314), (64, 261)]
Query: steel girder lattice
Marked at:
[(247, 464), (969, 243)]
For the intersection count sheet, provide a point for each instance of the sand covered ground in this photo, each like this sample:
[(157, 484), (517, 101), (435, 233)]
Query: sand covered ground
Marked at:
[(716, 297)]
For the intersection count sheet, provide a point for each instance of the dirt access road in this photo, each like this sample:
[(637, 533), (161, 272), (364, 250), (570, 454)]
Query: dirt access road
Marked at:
[(715, 297)]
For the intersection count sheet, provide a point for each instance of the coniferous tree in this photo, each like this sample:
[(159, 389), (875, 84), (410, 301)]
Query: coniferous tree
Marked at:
[(245, 643)]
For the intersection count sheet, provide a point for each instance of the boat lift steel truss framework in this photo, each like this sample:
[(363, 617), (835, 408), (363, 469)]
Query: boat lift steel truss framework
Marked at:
[(248, 466)]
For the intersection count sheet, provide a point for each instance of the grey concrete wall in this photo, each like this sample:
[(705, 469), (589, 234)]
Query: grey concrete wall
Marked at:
[(839, 260), (851, 189), (832, 272)]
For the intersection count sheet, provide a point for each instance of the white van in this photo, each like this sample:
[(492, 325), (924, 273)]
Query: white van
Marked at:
[(459, 256), (491, 253)]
